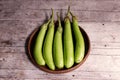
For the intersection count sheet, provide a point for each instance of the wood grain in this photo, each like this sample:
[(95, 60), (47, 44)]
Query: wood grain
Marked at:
[(56, 0), (99, 18), (16, 74), (40, 15), (19, 60), (96, 11), (18, 32), (104, 5)]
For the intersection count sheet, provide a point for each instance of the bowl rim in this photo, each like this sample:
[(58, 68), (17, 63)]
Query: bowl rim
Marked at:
[(43, 68)]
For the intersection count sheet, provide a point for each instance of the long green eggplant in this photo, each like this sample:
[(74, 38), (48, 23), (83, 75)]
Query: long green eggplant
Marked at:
[(38, 44), (68, 43), (47, 47), (58, 47), (79, 41)]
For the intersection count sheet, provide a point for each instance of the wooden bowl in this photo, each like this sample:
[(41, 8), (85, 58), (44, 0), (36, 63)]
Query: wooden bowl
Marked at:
[(57, 71)]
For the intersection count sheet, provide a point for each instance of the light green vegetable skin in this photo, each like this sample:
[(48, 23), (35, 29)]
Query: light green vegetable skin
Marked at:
[(58, 47), (79, 41), (47, 46), (68, 43), (38, 44)]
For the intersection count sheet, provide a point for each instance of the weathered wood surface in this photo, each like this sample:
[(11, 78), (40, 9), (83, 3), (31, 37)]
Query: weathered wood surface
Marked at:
[(99, 18)]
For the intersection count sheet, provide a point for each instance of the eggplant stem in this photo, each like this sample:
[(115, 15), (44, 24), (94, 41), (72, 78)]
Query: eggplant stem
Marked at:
[(68, 12)]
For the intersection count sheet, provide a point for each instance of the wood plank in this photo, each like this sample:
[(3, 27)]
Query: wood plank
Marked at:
[(22, 74), (54, 0), (15, 33), (21, 43), (106, 48), (95, 50), (40, 15), (21, 47), (99, 60), (106, 5)]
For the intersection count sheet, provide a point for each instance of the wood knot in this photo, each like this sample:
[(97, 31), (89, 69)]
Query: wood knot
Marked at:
[(7, 42), (105, 45), (73, 75)]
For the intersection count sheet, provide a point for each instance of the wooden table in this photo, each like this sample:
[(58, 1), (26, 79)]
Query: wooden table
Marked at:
[(99, 18)]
